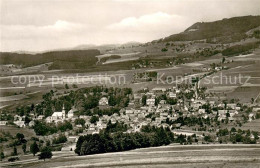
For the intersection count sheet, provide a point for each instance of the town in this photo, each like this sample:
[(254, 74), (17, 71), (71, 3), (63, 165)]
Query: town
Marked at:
[(185, 110)]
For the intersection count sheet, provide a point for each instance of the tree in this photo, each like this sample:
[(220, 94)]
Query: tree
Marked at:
[(48, 143), (74, 86), (45, 153), (24, 148), (14, 153), (34, 148), (144, 100), (66, 86), (61, 139), (20, 137), (80, 121), (27, 119), (252, 100), (94, 119), (223, 60), (164, 49), (2, 155), (233, 129)]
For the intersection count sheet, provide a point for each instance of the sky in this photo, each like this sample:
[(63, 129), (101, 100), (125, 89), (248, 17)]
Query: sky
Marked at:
[(40, 25)]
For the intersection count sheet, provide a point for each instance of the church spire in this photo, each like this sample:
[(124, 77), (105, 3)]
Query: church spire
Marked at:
[(63, 112)]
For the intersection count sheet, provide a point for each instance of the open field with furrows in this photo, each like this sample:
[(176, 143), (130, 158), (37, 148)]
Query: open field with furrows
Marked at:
[(226, 156), (241, 80), (254, 125)]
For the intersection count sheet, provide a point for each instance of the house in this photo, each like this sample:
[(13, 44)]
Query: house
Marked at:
[(230, 118), (222, 112), (172, 95), (40, 117), (205, 116), (79, 126), (178, 91), (18, 118), (178, 125), (113, 120), (31, 123), (19, 123), (129, 111), (92, 127), (201, 111), (250, 116), (212, 103), (256, 109), (71, 113), (163, 102), (159, 89), (231, 106), (73, 138), (3, 122), (103, 101), (150, 102), (221, 105), (164, 114)]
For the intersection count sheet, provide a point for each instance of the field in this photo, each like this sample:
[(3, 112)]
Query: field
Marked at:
[(13, 130), (242, 78), (253, 125), (226, 156), (248, 67)]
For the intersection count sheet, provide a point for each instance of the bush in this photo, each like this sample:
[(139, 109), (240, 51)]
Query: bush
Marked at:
[(13, 159), (60, 139), (164, 50), (45, 153)]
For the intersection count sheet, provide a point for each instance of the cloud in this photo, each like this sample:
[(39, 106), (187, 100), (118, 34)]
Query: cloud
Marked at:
[(154, 19), (28, 31), (154, 22), (61, 25), (32, 38), (149, 27)]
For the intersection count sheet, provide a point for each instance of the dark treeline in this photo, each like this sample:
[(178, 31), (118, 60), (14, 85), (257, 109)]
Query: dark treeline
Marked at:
[(119, 141), (42, 128), (71, 58), (240, 49)]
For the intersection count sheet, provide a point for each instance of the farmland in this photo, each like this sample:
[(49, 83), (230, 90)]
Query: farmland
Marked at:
[(173, 155), (248, 66)]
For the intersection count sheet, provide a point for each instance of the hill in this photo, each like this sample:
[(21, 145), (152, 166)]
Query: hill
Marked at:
[(61, 59), (221, 31)]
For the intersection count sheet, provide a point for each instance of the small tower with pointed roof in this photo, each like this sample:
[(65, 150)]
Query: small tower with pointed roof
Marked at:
[(63, 112)]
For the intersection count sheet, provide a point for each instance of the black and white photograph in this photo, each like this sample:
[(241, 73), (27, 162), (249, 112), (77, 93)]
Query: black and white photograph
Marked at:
[(130, 83)]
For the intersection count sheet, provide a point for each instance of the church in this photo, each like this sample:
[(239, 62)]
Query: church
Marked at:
[(60, 116)]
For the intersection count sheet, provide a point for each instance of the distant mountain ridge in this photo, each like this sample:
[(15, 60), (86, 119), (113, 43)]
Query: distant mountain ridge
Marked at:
[(221, 31), (105, 46)]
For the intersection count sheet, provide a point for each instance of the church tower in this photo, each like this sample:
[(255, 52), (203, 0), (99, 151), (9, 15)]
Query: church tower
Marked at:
[(63, 112)]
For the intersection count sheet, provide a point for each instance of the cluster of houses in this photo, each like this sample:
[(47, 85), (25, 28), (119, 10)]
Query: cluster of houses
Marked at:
[(136, 117), (152, 113)]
